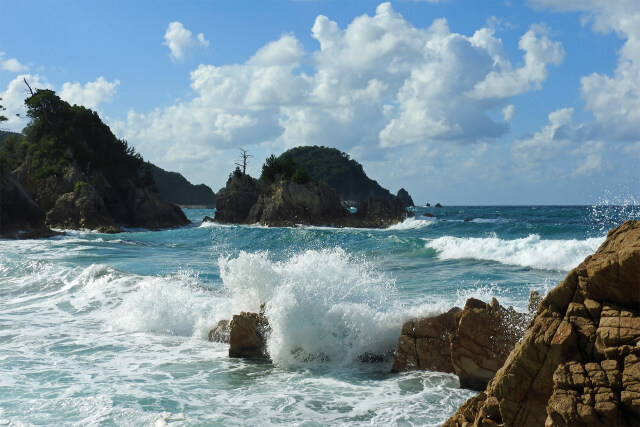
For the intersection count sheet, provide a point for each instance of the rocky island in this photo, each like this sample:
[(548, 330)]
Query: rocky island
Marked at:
[(286, 196), (67, 170)]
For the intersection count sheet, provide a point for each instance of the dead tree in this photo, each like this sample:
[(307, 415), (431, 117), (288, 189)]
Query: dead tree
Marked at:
[(243, 163)]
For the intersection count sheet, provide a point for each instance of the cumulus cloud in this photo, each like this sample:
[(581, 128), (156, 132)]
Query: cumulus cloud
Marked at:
[(180, 41), (506, 81), (614, 99), (378, 83), (89, 95), (11, 64)]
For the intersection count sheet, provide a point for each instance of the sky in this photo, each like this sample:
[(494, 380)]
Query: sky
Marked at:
[(462, 102)]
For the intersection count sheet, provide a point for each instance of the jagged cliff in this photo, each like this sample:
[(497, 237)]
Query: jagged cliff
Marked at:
[(578, 363)]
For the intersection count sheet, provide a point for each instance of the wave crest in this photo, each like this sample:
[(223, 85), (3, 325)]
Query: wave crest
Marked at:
[(531, 251)]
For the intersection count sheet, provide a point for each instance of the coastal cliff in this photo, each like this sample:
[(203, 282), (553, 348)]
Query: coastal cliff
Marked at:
[(578, 363), (78, 174)]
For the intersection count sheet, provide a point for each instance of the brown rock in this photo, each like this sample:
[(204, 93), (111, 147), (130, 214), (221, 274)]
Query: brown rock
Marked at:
[(483, 340), (566, 369), (424, 344), (248, 336), (220, 333)]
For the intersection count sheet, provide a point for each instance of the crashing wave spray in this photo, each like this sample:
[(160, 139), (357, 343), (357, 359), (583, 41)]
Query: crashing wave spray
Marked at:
[(322, 305)]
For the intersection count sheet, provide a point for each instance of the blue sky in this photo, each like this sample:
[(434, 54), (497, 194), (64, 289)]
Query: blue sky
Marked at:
[(458, 101)]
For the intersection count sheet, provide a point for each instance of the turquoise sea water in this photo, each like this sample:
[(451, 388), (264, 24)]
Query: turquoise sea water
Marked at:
[(102, 329)]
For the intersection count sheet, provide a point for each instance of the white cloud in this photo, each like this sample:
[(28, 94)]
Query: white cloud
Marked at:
[(377, 83), (12, 64), (506, 81), (89, 95), (614, 99), (508, 112), (180, 41)]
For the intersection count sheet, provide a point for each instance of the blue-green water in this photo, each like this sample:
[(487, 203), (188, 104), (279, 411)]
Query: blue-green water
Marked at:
[(111, 329)]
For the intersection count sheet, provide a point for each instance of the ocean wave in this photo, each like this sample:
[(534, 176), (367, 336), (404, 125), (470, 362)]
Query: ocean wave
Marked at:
[(413, 223), (532, 251), (322, 305)]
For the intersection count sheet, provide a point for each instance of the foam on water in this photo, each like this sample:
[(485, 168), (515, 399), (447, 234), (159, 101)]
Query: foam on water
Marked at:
[(532, 251), (413, 223), (322, 305)]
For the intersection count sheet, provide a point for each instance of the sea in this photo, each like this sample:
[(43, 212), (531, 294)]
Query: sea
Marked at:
[(99, 329)]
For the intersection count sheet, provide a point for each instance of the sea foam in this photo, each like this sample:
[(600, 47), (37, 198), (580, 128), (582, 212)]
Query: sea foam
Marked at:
[(531, 251), (323, 305)]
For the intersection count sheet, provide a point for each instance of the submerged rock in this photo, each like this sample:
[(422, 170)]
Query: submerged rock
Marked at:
[(577, 363)]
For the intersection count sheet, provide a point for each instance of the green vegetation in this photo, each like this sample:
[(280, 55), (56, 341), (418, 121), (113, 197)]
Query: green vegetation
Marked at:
[(283, 168), (174, 188), (59, 134), (335, 168), (79, 185)]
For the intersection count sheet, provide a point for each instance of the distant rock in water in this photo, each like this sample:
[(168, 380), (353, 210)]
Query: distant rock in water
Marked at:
[(236, 199), (405, 198), (285, 203), (578, 363), (379, 213), (79, 174), (174, 188), (438, 205)]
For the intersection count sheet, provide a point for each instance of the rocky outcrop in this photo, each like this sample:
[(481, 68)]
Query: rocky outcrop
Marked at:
[(577, 363), (425, 344), (379, 213), (248, 336), (484, 337), (286, 203), (220, 333), (20, 216), (405, 198), (235, 200), (472, 342)]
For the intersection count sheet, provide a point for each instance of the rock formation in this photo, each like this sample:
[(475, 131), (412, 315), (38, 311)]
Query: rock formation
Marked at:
[(248, 336), (379, 213), (473, 342), (425, 344), (236, 199), (220, 333), (484, 337), (20, 216), (405, 198), (577, 363), (79, 174), (285, 204)]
